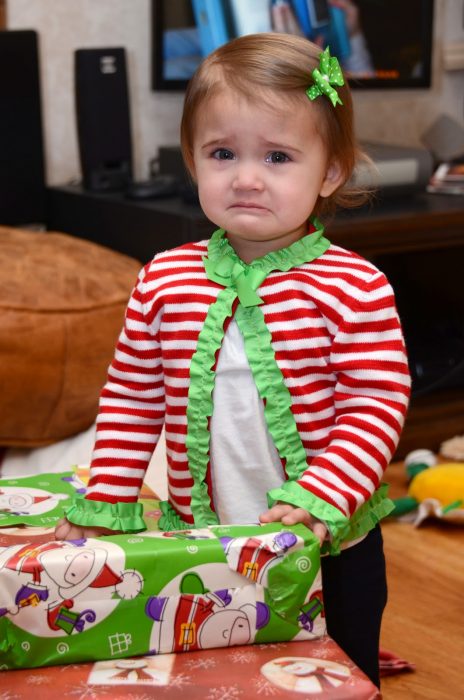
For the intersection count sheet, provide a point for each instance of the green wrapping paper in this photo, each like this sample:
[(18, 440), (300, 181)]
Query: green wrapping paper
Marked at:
[(37, 500), (155, 593)]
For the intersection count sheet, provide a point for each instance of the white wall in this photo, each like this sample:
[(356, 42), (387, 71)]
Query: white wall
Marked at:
[(63, 25)]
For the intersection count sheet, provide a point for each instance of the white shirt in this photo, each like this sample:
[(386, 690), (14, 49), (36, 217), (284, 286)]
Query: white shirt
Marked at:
[(244, 461)]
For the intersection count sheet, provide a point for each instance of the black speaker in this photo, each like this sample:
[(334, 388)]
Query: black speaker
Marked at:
[(103, 118), (22, 180)]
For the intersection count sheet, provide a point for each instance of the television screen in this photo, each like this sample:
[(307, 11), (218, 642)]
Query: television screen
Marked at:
[(380, 43)]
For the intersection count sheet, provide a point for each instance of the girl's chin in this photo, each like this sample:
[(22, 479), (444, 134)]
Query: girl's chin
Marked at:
[(244, 225)]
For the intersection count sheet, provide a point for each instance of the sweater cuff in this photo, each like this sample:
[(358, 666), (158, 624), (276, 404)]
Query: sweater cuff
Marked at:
[(126, 517), (291, 492), (341, 528)]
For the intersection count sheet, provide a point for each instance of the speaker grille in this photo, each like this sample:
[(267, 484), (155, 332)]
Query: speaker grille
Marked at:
[(103, 118), (22, 181)]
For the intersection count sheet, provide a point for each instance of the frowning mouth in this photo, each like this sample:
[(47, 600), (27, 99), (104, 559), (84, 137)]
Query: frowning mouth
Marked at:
[(247, 205)]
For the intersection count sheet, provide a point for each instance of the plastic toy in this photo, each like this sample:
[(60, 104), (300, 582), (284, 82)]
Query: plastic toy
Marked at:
[(435, 489)]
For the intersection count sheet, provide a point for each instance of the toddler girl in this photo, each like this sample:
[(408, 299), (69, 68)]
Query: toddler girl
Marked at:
[(273, 358)]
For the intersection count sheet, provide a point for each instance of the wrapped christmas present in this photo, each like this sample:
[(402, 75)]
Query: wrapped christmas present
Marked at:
[(316, 669), (156, 593), (41, 500), (37, 500)]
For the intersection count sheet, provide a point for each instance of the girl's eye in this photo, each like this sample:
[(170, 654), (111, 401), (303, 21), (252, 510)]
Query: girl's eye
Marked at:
[(277, 157), (223, 154)]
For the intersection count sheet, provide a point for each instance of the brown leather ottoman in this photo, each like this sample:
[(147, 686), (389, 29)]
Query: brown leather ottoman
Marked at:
[(62, 302)]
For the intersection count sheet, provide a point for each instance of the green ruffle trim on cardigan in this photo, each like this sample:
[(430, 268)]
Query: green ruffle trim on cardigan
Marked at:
[(200, 405), (115, 516), (308, 248), (272, 389), (341, 528), (170, 520), (239, 279)]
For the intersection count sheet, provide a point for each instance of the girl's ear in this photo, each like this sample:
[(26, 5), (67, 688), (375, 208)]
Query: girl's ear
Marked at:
[(332, 180)]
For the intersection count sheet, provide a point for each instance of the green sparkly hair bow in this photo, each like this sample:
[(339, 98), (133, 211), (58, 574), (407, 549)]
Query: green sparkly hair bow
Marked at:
[(328, 74)]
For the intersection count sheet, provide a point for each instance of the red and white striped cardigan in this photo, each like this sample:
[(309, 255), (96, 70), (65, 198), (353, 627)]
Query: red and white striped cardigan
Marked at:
[(337, 341)]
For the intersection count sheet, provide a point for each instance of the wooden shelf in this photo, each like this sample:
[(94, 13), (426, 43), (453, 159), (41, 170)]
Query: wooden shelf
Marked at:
[(422, 222)]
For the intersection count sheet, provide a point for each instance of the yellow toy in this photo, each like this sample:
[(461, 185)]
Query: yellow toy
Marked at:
[(435, 490)]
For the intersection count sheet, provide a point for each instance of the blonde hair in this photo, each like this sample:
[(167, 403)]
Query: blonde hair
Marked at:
[(259, 65)]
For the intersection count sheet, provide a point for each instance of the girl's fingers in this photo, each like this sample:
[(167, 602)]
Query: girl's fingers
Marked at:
[(320, 530), (275, 513), (289, 515), (62, 529), (297, 515)]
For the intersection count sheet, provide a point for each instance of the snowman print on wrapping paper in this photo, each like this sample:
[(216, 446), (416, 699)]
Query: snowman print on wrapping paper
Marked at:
[(50, 589)]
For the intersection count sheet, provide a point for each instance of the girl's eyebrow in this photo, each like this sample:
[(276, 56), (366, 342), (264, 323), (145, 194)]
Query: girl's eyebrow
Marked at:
[(221, 141), (214, 142), (278, 146)]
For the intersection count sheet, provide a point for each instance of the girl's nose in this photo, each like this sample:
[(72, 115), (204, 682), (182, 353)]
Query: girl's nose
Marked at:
[(247, 177)]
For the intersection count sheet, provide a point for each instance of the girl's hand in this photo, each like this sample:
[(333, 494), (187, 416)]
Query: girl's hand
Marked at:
[(67, 531), (290, 515)]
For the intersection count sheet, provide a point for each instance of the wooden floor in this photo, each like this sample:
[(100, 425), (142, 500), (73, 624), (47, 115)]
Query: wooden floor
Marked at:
[(424, 619)]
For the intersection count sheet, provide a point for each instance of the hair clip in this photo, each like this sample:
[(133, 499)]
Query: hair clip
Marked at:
[(329, 73)]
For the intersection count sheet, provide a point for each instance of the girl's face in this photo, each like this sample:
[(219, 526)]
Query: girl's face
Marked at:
[(260, 172)]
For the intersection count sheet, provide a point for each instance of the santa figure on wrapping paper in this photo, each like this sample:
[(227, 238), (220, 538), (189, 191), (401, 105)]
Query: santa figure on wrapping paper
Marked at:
[(56, 573), (252, 557), (190, 622), (28, 501), (206, 619), (23, 500)]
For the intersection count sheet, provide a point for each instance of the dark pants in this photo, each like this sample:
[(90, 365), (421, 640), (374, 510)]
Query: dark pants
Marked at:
[(355, 594)]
